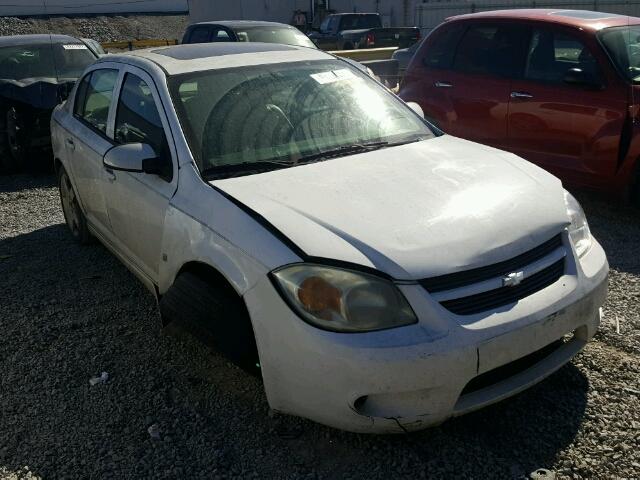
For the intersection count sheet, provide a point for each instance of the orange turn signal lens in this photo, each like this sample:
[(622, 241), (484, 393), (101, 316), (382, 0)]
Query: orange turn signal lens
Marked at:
[(318, 295)]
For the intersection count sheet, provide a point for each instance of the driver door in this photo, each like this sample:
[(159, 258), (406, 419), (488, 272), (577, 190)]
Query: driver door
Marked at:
[(137, 202), (571, 130)]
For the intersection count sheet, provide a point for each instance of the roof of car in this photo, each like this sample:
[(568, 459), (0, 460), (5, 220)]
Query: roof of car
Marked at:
[(577, 18), (36, 39), (244, 23), (187, 58)]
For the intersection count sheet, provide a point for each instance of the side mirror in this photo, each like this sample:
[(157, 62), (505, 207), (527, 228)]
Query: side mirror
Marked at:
[(416, 108), (577, 76), (132, 157)]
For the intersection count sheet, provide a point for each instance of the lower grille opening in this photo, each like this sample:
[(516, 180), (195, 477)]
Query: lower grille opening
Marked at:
[(504, 372)]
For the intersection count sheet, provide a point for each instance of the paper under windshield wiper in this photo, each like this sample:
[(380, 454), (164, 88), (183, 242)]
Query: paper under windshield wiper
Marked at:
[(235, 169)]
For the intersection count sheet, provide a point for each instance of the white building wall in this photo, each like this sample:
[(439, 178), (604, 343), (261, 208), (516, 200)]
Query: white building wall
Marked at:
[(425, 14), (80, 7)]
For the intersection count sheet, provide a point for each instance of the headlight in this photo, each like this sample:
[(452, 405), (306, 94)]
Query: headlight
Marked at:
[(341, 300), (579, 232)]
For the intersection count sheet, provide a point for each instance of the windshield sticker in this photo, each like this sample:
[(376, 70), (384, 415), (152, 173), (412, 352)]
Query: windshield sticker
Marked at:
[(74, 46), (333, 76)]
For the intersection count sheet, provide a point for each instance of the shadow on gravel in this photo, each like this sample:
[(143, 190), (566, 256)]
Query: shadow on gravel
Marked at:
[(71, 312), (16, 183)]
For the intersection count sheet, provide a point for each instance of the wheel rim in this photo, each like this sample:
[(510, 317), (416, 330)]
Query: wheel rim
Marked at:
[(13, 133), (69, 205)]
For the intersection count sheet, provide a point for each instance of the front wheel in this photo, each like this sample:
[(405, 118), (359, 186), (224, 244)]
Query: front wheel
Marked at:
[(73, 215)]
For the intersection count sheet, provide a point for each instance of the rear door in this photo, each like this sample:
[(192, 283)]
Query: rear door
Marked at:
[(137, 202), (572, 130), (430, 66), (479, 83), (87, 141), (463, 80)]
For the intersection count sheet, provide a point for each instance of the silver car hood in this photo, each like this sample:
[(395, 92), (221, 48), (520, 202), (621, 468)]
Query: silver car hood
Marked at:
[(413, 211)]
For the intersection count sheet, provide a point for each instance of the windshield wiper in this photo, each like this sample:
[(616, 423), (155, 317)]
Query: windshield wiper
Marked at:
[(353, 149), (237, 169)]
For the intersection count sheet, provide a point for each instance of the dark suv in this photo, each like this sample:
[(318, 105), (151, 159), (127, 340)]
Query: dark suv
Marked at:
[(560, 88)]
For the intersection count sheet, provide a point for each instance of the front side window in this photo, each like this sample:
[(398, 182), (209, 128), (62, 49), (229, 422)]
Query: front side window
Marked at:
[(487, 50), (94, 98), (552, 54), (623, 46), (137, 117), (283, 113)]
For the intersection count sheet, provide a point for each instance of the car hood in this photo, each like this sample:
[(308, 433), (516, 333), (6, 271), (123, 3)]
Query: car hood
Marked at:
[(428, 208)]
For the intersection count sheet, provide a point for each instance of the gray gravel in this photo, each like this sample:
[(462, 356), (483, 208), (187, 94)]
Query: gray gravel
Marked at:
[(101, 28), (68, 313)]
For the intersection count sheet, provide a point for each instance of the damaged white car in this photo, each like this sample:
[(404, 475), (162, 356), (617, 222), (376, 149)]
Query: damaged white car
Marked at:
[(383, 276)]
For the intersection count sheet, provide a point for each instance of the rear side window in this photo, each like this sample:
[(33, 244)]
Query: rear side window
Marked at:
[(488, 49), (551, 54), (94, 98), (441, 48), (199, 35)]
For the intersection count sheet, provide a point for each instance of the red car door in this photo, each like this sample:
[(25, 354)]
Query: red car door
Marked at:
[(568, 109), (462, 80)]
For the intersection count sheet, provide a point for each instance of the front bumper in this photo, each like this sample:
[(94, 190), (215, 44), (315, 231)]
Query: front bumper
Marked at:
[(413, 377)]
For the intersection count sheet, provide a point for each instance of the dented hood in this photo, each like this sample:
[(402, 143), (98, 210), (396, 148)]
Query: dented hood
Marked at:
[(413, 211)]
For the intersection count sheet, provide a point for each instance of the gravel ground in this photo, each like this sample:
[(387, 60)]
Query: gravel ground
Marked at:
[(101, 28), (69, 313)]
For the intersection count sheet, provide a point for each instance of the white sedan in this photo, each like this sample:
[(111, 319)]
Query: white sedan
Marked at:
[(381, 276)]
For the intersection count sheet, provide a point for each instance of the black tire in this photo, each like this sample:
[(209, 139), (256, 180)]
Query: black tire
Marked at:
[(5, 157), (213, 312), (73, 216), (16, 140)]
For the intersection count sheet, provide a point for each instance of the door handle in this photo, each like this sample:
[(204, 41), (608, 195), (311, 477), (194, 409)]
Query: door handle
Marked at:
[(443, 85), (71, 144), (521, 95)]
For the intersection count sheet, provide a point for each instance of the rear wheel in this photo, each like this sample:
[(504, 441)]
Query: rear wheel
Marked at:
[(73, 215), (212, 310), (16, 140)]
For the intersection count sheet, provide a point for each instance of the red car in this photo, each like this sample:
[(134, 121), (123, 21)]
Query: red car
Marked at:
[(560, 88)]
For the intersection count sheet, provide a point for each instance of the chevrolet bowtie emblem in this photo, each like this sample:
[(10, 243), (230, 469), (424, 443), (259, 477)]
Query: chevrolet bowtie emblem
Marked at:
[(512, 279)]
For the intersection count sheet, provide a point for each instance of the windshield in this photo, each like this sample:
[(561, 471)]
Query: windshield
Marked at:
[(287, 36), (623, 46), (63, 61), (287, 112)]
